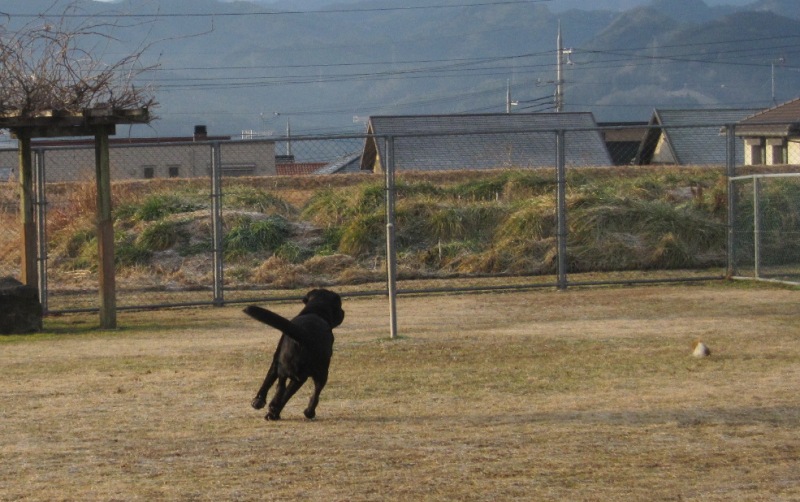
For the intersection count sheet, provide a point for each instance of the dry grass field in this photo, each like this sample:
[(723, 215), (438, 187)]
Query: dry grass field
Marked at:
[(588, 394)]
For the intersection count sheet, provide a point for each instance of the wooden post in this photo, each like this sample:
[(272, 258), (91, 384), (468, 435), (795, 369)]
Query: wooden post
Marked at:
[(105, 231), (29, 273)]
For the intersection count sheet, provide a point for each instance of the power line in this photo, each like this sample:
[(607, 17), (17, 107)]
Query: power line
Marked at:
[(463, 64), (349, 10)]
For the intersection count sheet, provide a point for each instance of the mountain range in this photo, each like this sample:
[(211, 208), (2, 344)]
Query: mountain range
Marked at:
[(322, 66)]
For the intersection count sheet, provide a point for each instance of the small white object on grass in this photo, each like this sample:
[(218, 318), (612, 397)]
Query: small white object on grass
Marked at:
[(701, 350)]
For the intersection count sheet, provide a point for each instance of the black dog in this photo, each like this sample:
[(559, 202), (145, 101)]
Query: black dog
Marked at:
[(304, 350)]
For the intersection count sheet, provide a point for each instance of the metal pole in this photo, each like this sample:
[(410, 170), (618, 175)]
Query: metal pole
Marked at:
[(288, 138), (41, 225), (757, 227), (216, 223), (391, 252), (559, 78), (773, 82), (561, 178), (732, 199)]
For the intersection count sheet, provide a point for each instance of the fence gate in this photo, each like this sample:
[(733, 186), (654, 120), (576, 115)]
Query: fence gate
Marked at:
[(766, 228)]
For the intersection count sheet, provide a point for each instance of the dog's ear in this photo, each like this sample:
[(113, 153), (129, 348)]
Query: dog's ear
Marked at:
[(311, 294)]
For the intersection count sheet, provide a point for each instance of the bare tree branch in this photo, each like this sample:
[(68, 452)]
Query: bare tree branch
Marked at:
[(53, 65)]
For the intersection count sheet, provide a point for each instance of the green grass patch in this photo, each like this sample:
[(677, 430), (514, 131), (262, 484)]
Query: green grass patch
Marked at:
[(246, 235)]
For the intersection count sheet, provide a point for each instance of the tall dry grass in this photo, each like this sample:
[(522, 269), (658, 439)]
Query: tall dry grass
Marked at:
[(464, 224)]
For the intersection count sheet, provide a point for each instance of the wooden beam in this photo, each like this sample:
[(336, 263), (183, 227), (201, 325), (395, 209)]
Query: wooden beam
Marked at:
[(62, 131), (29, 272), (105, 232), (100, 123)]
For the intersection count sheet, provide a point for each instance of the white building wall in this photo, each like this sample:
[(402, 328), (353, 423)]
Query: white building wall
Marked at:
[(793, 151), (189, 160), (663, 154), (753, 151)]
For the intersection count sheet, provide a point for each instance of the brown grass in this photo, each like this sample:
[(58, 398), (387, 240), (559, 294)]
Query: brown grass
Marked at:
[(589, 394)]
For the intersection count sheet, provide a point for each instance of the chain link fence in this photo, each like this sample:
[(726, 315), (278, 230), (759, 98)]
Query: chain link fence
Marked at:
[(767, 227), (214, 221)]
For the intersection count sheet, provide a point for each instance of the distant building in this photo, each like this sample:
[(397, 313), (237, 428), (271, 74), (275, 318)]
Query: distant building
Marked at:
[(623, 140), (772, 137), (481, 141), (144, 158), (689, 137)]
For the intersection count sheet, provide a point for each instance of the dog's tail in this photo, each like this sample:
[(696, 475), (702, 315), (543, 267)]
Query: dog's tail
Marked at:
[(278, 322)]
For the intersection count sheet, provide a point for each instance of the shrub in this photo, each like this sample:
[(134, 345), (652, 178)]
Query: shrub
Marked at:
[(328, 208), (158, 206), (128, 254), (481, 189), (469, 221), (251, 236), (161, 235), (292, 252), (256, 199), (363, 235), (533, 219)]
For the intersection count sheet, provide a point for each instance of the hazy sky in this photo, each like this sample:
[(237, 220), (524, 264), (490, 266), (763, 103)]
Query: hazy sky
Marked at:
[(597, 3)]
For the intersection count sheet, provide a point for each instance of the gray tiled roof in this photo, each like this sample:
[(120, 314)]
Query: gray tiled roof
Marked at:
[(694, 135), (478, 141), (345, 164)]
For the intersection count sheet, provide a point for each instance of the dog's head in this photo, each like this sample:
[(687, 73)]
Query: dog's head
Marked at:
[(326, 304)]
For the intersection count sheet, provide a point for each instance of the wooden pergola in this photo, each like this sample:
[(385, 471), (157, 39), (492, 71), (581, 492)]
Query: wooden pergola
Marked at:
[(100, 123)]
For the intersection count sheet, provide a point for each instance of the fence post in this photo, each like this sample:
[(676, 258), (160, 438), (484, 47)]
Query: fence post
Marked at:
[(561, 216), (41, 225), (216, 223), (26, 211), (391, 252), (105, 231), (730, 172), (757, 227)]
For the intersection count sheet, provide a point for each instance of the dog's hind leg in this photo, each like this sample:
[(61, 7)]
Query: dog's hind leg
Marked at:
[(261, 397), (311, 411), (275, 406), (282, 395)]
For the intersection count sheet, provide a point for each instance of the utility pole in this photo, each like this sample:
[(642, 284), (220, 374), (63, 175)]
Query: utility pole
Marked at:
[(509, 103), (288, 137), (560, 53), (288, 133), (781, 61)]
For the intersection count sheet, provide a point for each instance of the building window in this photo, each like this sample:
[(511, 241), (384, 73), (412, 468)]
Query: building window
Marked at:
[(777, 155), (756, 154), (149, 172), (238, 169), (174, 171)]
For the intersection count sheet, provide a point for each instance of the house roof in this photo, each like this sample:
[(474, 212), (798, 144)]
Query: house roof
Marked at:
[(297, 168), (345, 164), (781, 120), (692, 136), (476, 141)]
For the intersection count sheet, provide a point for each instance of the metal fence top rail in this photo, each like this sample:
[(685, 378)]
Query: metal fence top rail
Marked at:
[(169, 142), (68, 145), (759, 176)]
